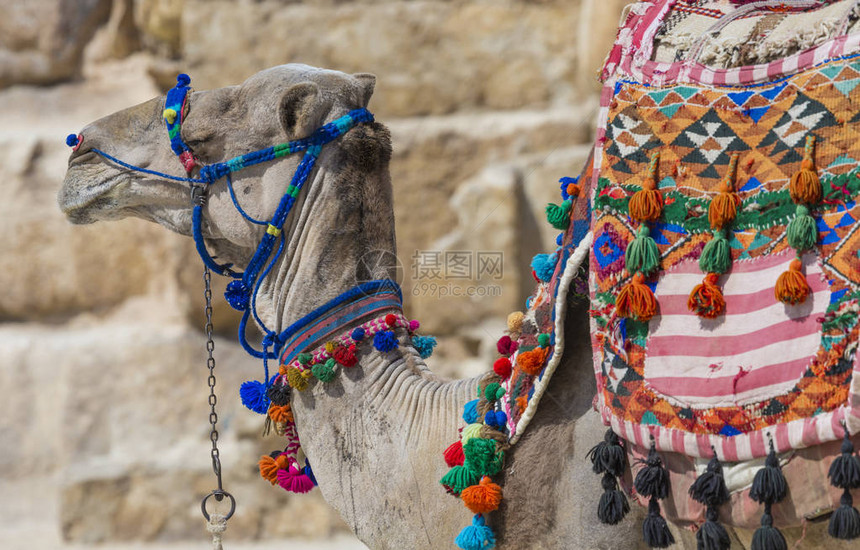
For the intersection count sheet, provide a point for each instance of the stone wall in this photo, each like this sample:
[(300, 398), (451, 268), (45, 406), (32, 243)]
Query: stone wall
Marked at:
[(102, 385)]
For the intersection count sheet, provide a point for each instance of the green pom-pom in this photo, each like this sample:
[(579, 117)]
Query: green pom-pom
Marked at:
[(494, 392), (305, 358), (324, 372), (543, 340), (459, 477), (482, 457), (802, 230), (717, 255), (642, 253), (558, 215)]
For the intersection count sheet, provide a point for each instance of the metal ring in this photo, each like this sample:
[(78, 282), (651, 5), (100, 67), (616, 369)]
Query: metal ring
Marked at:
[(215, 493)]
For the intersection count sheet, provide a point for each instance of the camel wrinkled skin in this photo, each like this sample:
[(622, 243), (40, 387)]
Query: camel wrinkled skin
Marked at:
[(376, 433)]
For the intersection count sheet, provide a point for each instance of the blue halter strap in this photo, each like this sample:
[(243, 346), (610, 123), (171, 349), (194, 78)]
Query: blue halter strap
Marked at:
[(241, 293)]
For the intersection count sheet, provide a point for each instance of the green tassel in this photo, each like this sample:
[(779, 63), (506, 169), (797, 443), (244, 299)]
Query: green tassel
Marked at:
[(802, 230), (460, 477), (642, 254), (717, 255), (324, 371), (558, 215), (481, 456)]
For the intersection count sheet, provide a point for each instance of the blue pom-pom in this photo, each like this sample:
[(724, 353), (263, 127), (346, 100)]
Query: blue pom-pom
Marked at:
[(72, 140), (253, 394), (237, 295), (385, 340), (476, 536), (470, 412), (183, 79), (564, 182), (358, 334), (559, 239), (544, 265), (490, 418), (308, 472), (501, 418), (424, 345)]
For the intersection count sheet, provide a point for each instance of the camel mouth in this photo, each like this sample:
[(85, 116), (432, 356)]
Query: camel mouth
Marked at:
[(85, 203)]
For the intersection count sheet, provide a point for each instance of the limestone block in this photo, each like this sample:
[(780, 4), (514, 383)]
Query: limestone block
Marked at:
[(432, 57)]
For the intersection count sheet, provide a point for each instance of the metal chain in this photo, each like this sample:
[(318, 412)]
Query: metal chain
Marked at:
[(218, 493)]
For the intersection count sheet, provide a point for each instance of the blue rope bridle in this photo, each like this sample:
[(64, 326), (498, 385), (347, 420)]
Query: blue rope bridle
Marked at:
[(241, 293)]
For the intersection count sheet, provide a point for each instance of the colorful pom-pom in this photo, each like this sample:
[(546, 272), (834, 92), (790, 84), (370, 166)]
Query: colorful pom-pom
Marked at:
[(502, 367), (183, 79), (706, 300), (558, 216), (805, 187), (454, 454), (717, 255), (723, 208), (424, 345), (642, 253), (482, 498), (802, 231), (305, 358), (471, 430), (458, 478), (482, 456), (294, 480), (470, 412), (791, 286), (515, 321), (569, 187), (646, 205), (357, 334), (345, 355), (636, 300), (268, 469), (506, 346), (532, 362), (72, 140), (493, 392), (253, 395), (544, 266), (237, 295), (169, 115), (391, 319), (414, 325), (308, 471), (544, 340), (476, 536), (324, 372), (281, 413), (296, 380), (385, 340)]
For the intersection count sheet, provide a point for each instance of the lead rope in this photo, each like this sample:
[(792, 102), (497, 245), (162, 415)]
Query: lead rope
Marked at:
[(217, 523)]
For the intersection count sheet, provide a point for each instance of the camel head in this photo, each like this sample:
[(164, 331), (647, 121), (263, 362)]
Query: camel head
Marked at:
[(274, 106)]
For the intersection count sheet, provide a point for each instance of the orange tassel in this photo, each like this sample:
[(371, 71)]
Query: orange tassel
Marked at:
[(636, 300), (791, 287), (646, 205), (707, 300), (805, 187), (532, 362), (281, 413), (269, 467), (724, 207), (482, 498)]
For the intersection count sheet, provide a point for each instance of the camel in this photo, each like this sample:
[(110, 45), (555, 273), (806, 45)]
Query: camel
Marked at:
[(374, 434)]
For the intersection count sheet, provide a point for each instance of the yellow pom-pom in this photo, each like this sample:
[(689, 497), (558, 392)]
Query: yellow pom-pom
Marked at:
[(169, 115), (329, 347), (515, 321), (297, 379)]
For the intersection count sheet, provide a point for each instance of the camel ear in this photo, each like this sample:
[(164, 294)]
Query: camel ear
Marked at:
[(301, 109), (367, 82)]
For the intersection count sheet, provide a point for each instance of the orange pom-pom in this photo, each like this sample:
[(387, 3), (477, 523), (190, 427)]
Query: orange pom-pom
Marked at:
[(805, 187), (522, 402), (269, 469), (454, 454), (791, 287), (636, 300), (707, 300), (482, 498), (281, 413), (724, 207), (532, 362), (646, 205)]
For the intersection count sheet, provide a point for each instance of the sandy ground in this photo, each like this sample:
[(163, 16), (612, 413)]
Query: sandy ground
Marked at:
[(29, 521)]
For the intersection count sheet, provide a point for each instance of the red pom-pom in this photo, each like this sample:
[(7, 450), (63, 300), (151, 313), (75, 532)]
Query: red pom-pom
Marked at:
[(454, 454), (502, 367), (345, 355), (506, 346), (391, 319)]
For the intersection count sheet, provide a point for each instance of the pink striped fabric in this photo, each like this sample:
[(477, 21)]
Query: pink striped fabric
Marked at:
[(633, 57), (758, 349)]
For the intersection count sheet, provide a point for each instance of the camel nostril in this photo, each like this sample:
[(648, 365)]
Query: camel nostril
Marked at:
[(74, 141)]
